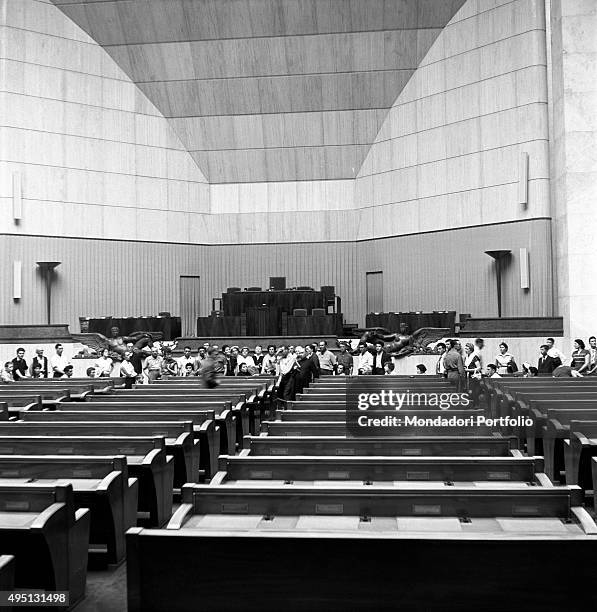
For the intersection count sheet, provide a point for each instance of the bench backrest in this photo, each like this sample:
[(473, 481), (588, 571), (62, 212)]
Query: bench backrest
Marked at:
[(197, 417), (96, 428), (59, 466)]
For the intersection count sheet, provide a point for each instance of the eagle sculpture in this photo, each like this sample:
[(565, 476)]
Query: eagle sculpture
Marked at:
[(95, 343), (399, 345)]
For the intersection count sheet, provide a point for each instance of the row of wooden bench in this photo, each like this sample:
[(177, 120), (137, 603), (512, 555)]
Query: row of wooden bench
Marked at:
[(113, 459), (307, 518)]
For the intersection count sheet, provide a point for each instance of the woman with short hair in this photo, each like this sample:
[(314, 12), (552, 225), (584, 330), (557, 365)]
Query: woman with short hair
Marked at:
[(504, 361)]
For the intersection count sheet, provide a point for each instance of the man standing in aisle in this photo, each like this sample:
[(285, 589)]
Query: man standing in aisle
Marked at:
[(327, 360), (454, 365), (19, 365)]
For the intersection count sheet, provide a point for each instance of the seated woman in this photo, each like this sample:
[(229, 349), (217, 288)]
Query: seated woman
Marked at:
[(243, 370), (6, 373), (504, 362), (188, 370), (169, 364), (103, 366), (580, 357), (340, 370), (421, 368)]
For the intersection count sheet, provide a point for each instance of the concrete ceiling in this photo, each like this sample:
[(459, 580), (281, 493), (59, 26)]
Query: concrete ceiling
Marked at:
[(268, 90)]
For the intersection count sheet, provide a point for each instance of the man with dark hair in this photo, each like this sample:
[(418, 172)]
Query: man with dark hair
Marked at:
[(554, 352), (327, 359), (19, 365), (68, 371), (363, 361), (211, 369), (268, 365), (546, 364), (182, 361), (440, 368), (58, 362), (454, 365), (491, 371), (380, 358), (90, 372), (128, 370), (287, 369), (344, 358), (592, 370), (421, 368)]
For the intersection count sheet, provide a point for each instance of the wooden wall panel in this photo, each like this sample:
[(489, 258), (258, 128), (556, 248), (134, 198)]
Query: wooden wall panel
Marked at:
[(434, 271)]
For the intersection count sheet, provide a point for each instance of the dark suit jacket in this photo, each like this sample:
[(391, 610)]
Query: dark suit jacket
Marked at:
[(305, 374), (547, 365), (384, 359), (43, 363)]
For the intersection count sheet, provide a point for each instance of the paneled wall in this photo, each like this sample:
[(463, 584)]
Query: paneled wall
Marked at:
[(448, 152), (90, 155), (434, 271)]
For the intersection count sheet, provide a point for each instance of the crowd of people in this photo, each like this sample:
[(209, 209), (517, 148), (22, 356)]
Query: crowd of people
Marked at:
[(458, 363), (297, 366)]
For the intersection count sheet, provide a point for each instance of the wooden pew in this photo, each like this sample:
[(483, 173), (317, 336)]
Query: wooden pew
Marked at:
[(247, 415), (335, 428), (370, 470), (453, 446), (205, 428), (578, 452), (146, 460), (226, 416), (4, 414), (402, 536), (180, 440), (79, 387), (49, 537), (99, 483), (51, 393), (17, 401)]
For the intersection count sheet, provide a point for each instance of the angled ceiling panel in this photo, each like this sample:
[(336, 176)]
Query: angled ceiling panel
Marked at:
[(269, 90)]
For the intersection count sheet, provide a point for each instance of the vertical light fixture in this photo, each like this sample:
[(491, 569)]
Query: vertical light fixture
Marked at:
[(525, 281), (16, 279), (498, 256), (47, 268)]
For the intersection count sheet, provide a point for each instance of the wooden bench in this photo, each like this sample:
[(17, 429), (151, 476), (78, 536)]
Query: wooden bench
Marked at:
[(16, 401), (578, 452), (49, 537), (226, 416), (247, 415), (205, 428), (52, 392), (4, 414), (100, 483), (180, 439), (403, 537), (334, 428), (146, 461), (79, 387), (371, 470), (444, 446)]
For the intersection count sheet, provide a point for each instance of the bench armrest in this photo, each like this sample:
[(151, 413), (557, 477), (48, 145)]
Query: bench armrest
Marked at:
[(584, 519), (218, 479), (104, 485), (180, 517), (44, 517), (151, 456), (543, 479)]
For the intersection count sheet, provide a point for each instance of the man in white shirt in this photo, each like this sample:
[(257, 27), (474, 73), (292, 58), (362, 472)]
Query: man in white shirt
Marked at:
[(128, 370), (479, 345), (553, 352), (327, 359), (363, 362), (58, 362), (186, 358)]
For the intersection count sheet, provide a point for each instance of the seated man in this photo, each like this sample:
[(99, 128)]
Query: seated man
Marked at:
[(6, 374), (68, 371), (491, 371), (90, 372)]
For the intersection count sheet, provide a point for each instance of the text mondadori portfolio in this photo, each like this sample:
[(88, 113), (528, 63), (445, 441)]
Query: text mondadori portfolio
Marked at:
[(442, 421)]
